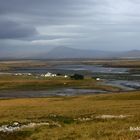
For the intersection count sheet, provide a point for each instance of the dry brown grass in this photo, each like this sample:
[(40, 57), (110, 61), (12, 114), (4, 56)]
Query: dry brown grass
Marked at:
[(31, 110)]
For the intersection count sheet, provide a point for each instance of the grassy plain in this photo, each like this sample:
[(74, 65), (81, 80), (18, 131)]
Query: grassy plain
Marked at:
[(70, 112), (79, 117), (18, 83), (128, 63)]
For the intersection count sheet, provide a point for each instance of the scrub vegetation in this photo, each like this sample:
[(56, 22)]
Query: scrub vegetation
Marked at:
[(78, 117), (114, 115), (26, 83)]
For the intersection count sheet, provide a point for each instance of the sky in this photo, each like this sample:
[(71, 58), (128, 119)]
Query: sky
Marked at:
[(29, 27)]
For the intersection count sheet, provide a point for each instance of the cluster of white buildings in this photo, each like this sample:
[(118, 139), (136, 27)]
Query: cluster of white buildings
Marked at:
[(48, 74), (20, 74)]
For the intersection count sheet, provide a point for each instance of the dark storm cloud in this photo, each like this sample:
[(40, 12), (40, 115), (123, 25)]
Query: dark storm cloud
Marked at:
[(49, 12)]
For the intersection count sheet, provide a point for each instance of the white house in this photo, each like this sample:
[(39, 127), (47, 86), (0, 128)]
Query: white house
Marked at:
[(50, 75), (54, 75), (66, 76), (98, 79)]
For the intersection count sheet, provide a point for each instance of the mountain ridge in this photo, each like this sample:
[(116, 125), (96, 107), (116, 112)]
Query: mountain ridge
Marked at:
[(67, 53)]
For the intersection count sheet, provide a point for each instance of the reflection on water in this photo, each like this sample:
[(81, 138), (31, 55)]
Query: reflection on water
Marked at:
[(119, 77), (58, 92), (72, 68), (124, 84), (93, 68)]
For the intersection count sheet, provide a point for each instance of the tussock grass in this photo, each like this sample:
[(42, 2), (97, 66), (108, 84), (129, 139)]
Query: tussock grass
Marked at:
[(65, 110)]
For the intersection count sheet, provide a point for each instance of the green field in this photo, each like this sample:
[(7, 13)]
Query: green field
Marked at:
[(30, 83)]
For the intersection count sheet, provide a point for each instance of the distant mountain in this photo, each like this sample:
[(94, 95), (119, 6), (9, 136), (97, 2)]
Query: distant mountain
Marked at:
[(130, 54), (65, 52)]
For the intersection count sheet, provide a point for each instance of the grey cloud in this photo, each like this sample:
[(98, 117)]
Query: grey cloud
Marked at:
[(86, 24), (10, 29)]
